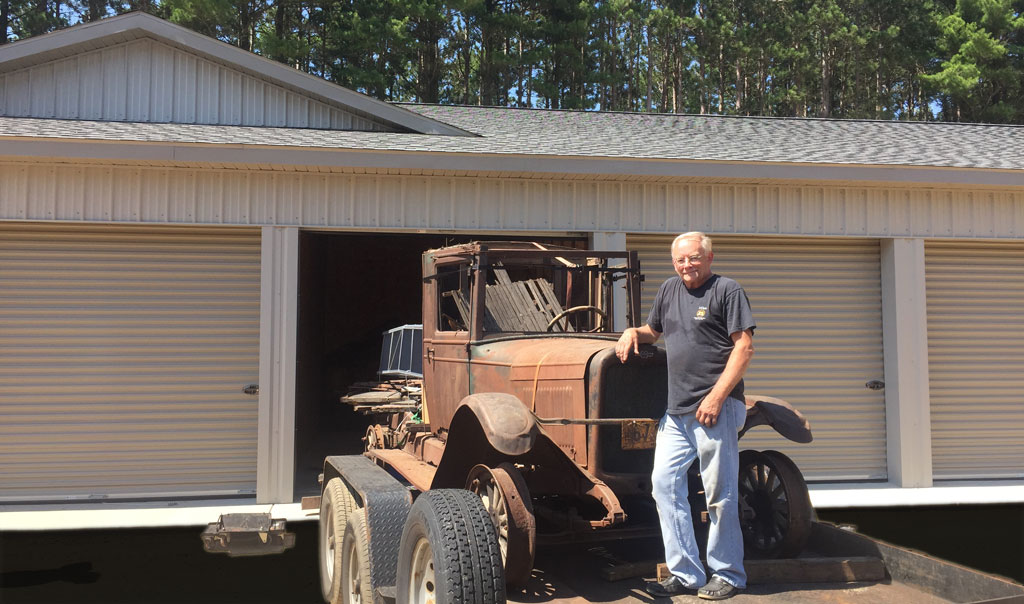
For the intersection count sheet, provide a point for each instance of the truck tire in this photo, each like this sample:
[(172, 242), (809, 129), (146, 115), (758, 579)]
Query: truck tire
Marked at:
[(449, 552), (336, 504), (507, 501), (775, 508), (355, 561)]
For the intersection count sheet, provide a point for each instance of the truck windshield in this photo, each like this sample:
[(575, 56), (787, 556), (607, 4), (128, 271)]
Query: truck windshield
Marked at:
[(554, 295)]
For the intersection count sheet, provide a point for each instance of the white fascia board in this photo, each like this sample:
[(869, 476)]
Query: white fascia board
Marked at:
[(20, 148), (83, 33), (221, 52), (118, 515), (825, 496), (74, 516)]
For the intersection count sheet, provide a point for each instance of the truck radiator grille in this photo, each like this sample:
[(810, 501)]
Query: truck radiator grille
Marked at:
[(630, 390)]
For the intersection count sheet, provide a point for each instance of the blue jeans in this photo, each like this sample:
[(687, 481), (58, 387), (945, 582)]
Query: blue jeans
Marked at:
[(681, 439)]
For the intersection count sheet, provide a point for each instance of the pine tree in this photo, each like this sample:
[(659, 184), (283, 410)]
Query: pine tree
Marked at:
[(978, 79)]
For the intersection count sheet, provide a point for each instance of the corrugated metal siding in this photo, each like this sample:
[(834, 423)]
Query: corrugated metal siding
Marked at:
[(976, 358), (40, 191), (818, 341), (123, 354), (147, 81)]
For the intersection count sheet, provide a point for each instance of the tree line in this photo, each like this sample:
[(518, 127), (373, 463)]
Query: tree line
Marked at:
[(949, 60)]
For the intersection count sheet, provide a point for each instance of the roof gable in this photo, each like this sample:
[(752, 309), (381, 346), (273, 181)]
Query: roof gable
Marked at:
[(137, 67)]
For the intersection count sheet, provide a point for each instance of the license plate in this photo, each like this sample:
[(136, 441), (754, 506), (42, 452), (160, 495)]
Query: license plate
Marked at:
[(639, 434)]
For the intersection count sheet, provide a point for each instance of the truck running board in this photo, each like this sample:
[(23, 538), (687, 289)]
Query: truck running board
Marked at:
[(247, 535)]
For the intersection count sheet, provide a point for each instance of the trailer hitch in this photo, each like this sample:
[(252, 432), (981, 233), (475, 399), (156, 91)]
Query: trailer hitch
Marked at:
[(247, 535)]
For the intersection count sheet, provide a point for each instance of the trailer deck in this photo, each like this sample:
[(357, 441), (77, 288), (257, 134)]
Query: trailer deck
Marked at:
[(875, 572), (577, 583)]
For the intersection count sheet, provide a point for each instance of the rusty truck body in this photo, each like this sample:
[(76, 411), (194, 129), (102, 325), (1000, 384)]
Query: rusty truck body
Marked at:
[(512, 426), (524, 404)]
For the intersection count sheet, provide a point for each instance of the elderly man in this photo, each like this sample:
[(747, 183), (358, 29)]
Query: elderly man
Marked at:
[(708, 330)]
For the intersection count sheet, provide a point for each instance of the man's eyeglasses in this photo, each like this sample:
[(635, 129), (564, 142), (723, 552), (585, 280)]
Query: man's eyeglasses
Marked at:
[(694, 259)]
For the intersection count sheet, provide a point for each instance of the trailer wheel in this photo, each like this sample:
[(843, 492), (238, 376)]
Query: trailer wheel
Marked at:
[(336, 505), (775, 508), (355, 561), (449, 552), (507, 501)]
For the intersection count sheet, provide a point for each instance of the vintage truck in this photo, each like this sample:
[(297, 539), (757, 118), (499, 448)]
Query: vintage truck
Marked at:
[(507, 424), (524, 417)]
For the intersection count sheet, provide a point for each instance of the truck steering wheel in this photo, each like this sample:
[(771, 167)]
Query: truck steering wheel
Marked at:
[(575, 309)]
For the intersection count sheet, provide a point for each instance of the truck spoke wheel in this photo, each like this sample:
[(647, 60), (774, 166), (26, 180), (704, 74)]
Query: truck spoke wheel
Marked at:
[(449, 552), (507, 501), (336, 504), (775, 508), (377, 437)]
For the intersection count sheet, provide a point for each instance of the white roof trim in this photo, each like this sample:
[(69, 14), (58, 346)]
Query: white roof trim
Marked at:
[(14, 148), (19, 54)]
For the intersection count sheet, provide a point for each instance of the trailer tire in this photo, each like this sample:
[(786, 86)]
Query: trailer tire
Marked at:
[(449, 552), (336, 504), (355, 561)]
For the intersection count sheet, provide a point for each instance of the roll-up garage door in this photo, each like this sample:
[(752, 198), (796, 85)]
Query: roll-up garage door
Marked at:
[(818, 342), (976, 358), (123, 356)]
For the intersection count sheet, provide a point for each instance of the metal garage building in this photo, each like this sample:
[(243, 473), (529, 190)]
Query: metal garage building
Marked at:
[(162, 195)]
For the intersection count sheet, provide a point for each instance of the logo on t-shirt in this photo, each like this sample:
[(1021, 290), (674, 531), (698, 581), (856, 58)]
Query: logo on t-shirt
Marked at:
[(702, 313)]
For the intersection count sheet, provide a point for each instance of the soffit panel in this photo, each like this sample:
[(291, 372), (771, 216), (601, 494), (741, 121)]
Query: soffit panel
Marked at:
[(371, 199)]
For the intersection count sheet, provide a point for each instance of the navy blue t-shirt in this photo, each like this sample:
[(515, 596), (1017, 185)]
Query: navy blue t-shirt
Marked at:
[(697, 326)]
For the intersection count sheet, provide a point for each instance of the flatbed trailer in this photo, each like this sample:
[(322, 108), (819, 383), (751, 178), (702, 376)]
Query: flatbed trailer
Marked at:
[(838, 565)]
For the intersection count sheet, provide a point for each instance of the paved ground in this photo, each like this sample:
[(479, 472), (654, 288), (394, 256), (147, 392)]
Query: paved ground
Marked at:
[(169, 565)]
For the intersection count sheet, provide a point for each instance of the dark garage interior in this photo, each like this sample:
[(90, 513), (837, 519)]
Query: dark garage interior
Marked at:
[(352, 288)]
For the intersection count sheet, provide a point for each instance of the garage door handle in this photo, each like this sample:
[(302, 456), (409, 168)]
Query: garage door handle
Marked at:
[(251, 389), (875, 385)]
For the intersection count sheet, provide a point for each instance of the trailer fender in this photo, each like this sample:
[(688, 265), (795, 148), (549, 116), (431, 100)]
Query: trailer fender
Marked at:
[(386, 503)]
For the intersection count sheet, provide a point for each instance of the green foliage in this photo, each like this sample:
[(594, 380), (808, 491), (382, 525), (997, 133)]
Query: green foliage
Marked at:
[(980, 78), (876, 59)]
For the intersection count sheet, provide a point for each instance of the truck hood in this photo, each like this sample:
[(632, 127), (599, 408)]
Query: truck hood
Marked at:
[(541, 358)]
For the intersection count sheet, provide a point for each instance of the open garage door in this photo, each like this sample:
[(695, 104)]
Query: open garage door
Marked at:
[(976, 358), (818, 307), (353, 287), (123, 356)]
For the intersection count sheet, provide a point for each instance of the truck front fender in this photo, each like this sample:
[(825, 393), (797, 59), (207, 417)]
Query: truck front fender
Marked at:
[(493, 428), (487, 428), (780, 415)]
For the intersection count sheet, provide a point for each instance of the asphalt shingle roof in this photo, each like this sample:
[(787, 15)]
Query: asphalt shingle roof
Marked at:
[(746, 139), (530, 132)]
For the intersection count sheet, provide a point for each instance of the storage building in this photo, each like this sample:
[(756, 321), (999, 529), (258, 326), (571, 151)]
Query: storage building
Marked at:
[(200, 248)]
